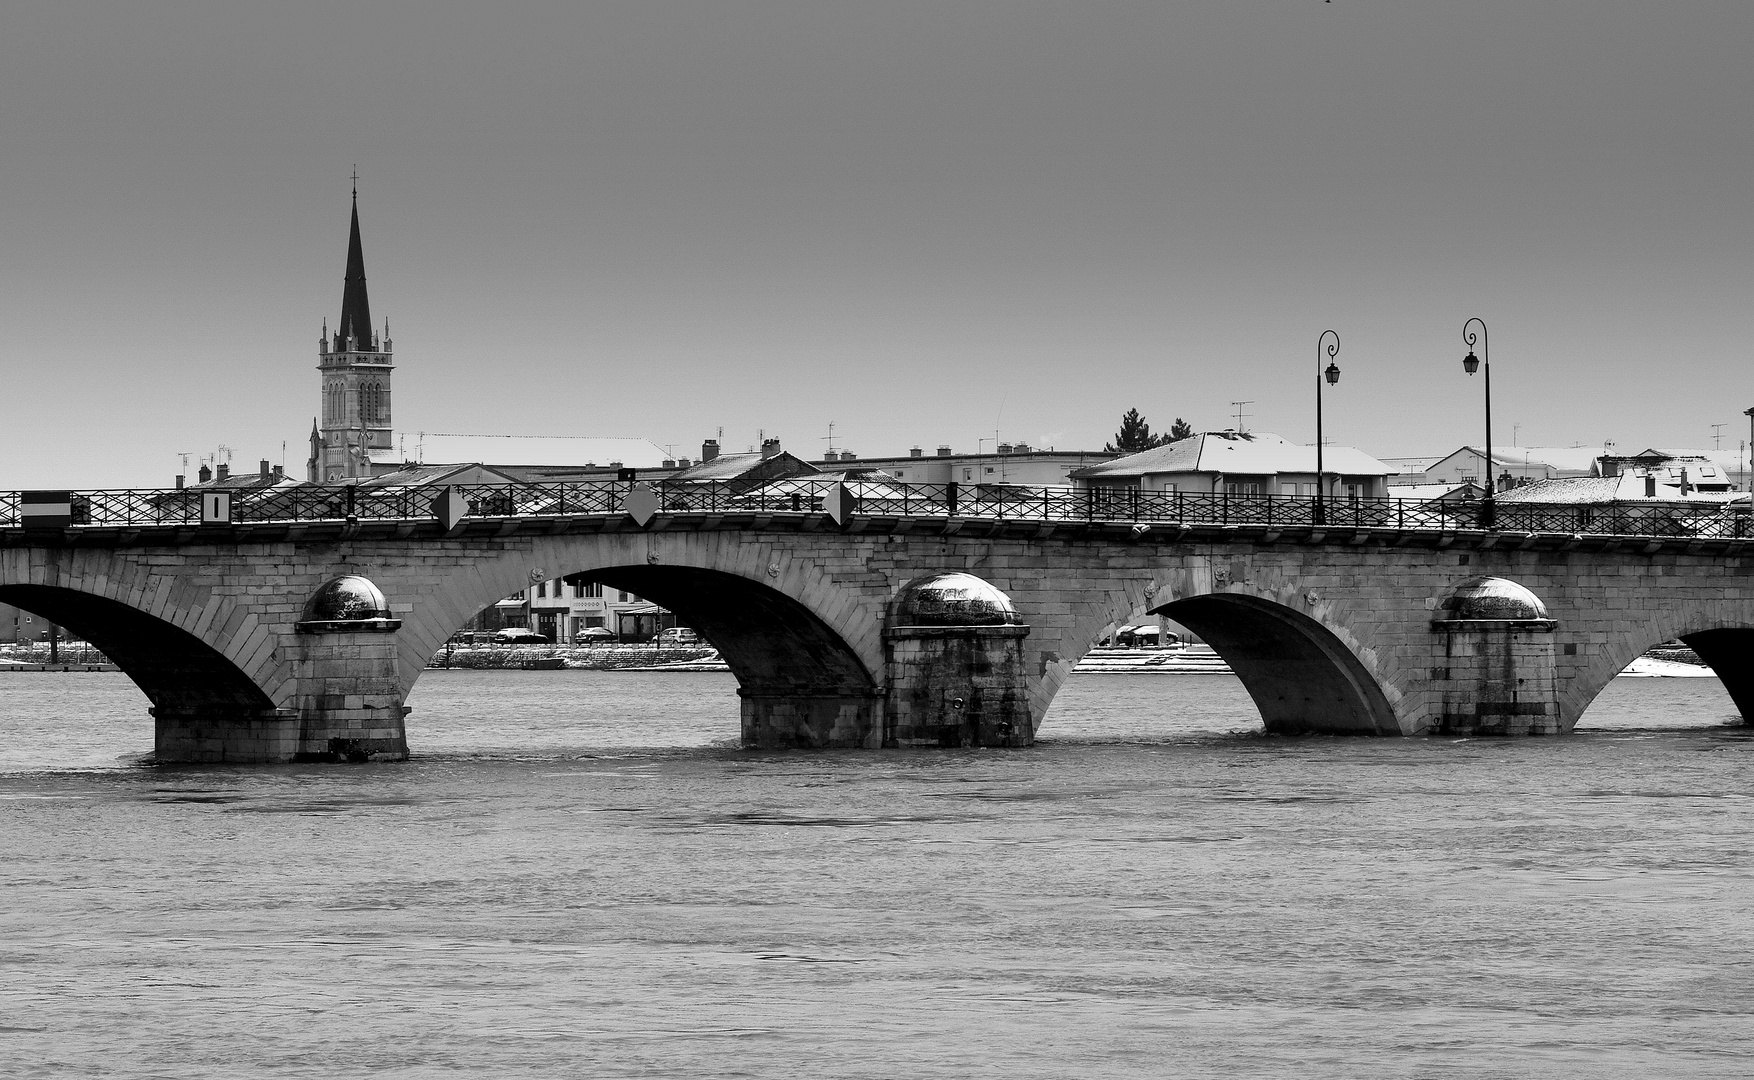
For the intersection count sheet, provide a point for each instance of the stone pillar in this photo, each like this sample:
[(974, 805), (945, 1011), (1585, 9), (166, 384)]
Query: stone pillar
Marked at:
[(349, 702), (956, 686), (953, 660), (349, 698), (1497, 674)]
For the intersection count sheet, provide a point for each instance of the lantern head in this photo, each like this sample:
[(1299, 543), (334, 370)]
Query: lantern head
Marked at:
[(1333, 374), (1470, 363)]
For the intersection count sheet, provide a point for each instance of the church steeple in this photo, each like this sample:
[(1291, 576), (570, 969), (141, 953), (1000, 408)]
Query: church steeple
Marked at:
[(354, 432), (356, 312)]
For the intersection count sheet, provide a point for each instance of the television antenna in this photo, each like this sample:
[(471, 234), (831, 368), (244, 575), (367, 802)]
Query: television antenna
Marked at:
[(1717, 436), (829, 437), (1240, 415)]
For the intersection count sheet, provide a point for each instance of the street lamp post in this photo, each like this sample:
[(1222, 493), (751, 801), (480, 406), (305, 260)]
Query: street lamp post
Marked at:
[(1332, 375), (1471, 364), (1748, 477)]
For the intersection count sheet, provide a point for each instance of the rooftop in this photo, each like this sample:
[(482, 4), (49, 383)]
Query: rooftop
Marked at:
[(1254, 453)]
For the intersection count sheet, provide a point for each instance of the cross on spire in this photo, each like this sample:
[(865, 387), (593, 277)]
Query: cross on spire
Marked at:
[(356, 183)]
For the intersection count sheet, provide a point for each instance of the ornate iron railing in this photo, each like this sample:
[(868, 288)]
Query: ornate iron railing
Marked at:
[(320, 503)]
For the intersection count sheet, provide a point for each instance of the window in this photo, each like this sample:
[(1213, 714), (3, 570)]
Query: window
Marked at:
[(542, 589), (624, 596), (968, 474)]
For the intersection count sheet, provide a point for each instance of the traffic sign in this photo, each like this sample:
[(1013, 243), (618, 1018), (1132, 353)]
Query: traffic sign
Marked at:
[(45, 509), (216, 508), (450, 508)]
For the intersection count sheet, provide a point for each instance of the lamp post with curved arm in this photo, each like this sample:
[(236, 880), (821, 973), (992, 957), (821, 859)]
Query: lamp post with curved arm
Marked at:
[(1319, 514), (1471, 364)]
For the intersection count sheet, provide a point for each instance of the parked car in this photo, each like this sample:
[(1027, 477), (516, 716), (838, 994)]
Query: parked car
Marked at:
[(677, 635), (517, 635), (594, 634)]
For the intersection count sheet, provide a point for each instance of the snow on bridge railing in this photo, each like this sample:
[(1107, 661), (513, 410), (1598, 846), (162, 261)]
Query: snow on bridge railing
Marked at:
[(294, 503)]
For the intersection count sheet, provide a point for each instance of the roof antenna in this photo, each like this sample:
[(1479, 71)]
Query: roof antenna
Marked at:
[(1240, 415)]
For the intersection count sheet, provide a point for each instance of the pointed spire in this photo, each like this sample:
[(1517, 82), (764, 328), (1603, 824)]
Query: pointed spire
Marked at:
[(356, 313)]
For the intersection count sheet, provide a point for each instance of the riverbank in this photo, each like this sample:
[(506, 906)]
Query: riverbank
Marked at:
[(585, 657)]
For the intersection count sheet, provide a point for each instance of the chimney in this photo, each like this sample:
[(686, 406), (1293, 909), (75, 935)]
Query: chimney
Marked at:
[(1020, 448), (709, 450), (224, 469), (916, 452), (683, 463), (204, 475), (848, 455), (669, 463), (1004, 448), (831, 456), (769, 447), (179, 481), (265, 473), (279, 474), (943, 451)]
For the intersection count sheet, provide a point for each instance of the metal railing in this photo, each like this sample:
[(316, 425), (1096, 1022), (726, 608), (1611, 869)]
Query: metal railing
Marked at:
[(321, 503)]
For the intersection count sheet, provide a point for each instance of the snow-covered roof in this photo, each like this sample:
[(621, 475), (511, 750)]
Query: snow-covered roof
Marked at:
[(1427, 492), (1255, 453), (1628, 487), (426, 447), (1578, 459)]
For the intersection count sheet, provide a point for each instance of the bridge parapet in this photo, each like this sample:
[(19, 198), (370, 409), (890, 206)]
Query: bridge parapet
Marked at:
[(296, 504)]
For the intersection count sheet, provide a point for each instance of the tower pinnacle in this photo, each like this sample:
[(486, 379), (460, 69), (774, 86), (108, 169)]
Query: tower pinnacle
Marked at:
[(356, 314)]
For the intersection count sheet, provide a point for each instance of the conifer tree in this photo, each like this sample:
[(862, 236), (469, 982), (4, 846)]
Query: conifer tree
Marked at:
[(1135, 434)]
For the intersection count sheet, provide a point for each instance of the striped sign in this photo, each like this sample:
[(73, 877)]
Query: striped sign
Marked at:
[(45, 509)]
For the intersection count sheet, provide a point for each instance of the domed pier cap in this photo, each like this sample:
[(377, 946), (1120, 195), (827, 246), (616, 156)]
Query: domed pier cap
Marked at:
[(952, 599), (1493, 599), (348, 604)]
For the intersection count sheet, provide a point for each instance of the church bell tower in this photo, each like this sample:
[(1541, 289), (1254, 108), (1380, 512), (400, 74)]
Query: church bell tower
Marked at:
[(355, 364)]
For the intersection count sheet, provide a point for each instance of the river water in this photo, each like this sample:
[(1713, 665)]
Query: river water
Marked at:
[(580, 874)]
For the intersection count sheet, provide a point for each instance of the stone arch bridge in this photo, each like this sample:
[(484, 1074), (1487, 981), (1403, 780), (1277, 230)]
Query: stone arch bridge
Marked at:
[(1331, 628)]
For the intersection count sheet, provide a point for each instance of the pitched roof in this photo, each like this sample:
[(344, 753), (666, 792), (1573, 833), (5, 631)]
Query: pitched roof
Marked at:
[(1579, 459), (426, 447), (751, 465), (356, 309), (1564, 491), (1255, 453), (1602, 490)]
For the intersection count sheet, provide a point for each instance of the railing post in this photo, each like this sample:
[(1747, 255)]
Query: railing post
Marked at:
[(1133, 499), (950, 498)]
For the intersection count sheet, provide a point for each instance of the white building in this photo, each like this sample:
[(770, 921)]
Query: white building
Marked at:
[(1242, 463)]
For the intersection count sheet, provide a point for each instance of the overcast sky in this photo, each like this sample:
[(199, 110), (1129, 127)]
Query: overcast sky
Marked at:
[(925, 222)]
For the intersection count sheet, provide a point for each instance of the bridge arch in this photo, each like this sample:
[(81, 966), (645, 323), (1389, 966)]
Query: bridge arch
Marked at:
[(1305, 671), (181, 674), (1724, 640), (807, 659)]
